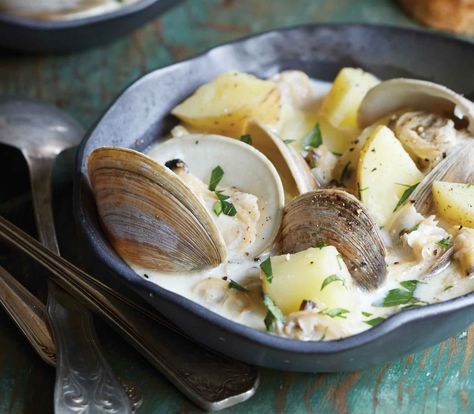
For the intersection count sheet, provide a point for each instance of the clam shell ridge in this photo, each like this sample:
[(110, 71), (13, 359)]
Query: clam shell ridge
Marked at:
[(395, 94), (149, 215), (336, 218)]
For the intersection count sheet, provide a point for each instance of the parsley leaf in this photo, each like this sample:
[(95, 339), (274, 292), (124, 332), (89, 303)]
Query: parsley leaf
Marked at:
[(334, 312), (217, 208), (288, 141), (266, 267), (247, 138), (406, 194), (234, 285), (273, 314), (446, 242), (396, 297), (410, 285), (403, 296), (216, 177), (320, 245), (313, 139), (375, 321), (366, 314), (228, 208), (221, 196), (331, 279)]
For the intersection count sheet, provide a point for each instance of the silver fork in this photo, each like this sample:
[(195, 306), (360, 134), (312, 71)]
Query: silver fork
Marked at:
[(84, 381)]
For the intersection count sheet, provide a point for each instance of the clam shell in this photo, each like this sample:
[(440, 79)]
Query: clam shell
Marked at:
[(151, 218), (244, 168), (457, 167), (395, 94), (291, 166), (336, 218)]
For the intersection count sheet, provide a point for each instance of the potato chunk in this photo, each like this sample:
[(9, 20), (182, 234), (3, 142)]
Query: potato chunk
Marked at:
[(224, 105), (342, 103), (384, 173), (301, 276), (455, 202)]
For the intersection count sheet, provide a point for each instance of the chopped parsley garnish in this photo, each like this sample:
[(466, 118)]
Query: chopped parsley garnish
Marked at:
[(403, 296), (334, 312), (313, 139), (273, 314), (221, 196), (247, 138), (375, 321), (216, 177), (366, 314), (217, 208), (410, 285), (407, 193), (288, 141), (448, 287), (346, 173), (266, 267), (446, 242), (228, 208), (234, 285), (320, 245), (330, 279), (221, 205)]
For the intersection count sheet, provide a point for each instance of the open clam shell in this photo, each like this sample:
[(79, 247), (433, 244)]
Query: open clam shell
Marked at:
[(151, 218), (457, 167), (291, 166), (336, 218), (390, 96), (244, 167)]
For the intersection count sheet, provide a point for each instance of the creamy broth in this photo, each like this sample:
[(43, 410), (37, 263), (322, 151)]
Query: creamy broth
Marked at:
[(402, 261)]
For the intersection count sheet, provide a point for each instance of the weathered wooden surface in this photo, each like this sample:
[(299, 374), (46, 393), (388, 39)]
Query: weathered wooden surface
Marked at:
[(436, 380)]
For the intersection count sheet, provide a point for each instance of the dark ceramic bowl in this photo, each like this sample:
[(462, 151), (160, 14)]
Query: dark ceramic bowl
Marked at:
[(139, 117), (33, 35)]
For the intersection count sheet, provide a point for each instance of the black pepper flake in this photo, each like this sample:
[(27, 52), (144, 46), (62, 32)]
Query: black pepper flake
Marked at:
[(146, 276), (224, 278)]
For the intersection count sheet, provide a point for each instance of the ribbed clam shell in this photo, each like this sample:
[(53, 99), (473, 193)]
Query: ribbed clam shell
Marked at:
[(150, 216), (390, 96), (336, 218)]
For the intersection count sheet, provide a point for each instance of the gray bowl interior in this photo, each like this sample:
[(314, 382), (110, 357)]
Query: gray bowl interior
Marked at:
[(139, 117)]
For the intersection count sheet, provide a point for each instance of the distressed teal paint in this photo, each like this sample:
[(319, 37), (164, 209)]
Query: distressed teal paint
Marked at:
[(83, 84)]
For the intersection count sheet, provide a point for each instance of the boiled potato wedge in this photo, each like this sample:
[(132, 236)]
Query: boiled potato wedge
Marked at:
[(455, 202), (384, 173), (342, 103), (224, 105), (301, 276)]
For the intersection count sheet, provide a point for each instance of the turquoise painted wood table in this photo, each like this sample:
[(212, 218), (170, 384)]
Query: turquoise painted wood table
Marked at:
[(439, 379)]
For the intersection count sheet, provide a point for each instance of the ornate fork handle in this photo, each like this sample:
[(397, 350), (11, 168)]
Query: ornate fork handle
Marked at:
[(210, 380)]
